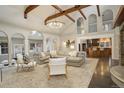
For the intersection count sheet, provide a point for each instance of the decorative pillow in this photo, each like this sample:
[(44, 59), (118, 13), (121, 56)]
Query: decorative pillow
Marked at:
[(53, 53), (26, 59), (60, 53), (43, 54), (70, 53), (73, 53)]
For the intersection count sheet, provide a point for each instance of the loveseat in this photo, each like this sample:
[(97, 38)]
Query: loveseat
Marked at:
[(73, 58)]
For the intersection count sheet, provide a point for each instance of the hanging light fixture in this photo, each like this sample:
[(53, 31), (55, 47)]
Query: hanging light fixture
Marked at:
[(55, 24)]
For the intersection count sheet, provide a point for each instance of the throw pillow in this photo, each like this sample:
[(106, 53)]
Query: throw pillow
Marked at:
[(26, 59), (70, 53), (73, 53), (43, 54), (53, 53)]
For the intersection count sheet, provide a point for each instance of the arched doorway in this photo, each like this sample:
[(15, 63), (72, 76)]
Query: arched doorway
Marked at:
[(4, 49)]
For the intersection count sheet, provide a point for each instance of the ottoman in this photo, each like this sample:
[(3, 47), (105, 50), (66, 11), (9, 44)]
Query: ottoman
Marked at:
[(74, 61)]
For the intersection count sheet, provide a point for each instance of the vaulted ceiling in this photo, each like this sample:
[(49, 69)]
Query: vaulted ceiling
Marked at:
[(34, 19)]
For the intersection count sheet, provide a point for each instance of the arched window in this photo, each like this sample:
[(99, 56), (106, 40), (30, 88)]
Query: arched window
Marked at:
[(17, 44), (92, 23), (80, 26), (35, 42), (107, 19)]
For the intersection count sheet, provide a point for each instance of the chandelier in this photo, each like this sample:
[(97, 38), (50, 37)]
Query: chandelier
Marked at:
[(55, 24)]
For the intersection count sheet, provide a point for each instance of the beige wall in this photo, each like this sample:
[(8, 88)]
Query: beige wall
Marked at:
[(68, 34), (65, 38)]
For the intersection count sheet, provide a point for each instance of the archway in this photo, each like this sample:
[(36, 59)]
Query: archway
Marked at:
[(35, 42), (17, 45), (4, 49)]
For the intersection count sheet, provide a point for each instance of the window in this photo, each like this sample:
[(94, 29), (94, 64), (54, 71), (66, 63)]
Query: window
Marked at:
[(80, 26), (36, 46), (92, 23), (4, 48), (107, 19), (32, 46)]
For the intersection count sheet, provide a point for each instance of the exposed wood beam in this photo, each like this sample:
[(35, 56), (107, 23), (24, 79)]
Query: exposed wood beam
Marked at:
[(60, 10), (98, 10), (29, 9), (70, 10), (82, 14), (120, 17)]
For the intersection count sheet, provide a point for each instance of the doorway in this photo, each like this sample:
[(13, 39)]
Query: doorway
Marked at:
[(96, 48)]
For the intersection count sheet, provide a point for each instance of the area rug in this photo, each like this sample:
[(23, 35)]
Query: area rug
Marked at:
[(78, 77)]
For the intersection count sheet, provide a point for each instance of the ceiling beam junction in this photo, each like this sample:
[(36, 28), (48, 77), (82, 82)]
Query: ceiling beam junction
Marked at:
[(60, 10), (65, 12)]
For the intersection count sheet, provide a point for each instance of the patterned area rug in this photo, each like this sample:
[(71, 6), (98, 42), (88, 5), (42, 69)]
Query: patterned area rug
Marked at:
[(78, 77)]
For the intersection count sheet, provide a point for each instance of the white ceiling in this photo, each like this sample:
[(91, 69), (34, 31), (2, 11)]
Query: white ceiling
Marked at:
[(14, 14)]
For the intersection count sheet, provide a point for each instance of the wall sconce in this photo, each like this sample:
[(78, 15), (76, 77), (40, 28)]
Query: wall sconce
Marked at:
[(69, 44), (72, 46), (64, 43)]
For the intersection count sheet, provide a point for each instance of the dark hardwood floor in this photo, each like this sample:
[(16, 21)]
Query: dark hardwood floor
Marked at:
[(101, 77)]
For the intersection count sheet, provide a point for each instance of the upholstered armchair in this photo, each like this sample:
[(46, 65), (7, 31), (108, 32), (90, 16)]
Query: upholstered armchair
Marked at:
[(20, 61), (24, 63), (57, 66), (43, 58)]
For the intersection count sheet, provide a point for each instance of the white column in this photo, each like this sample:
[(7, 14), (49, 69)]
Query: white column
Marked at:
[(76, 44), (26, 45), (115, 44), (44, 44), (99, 24), (0, 50), (112, 47), (86, 26), (9, 50)]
